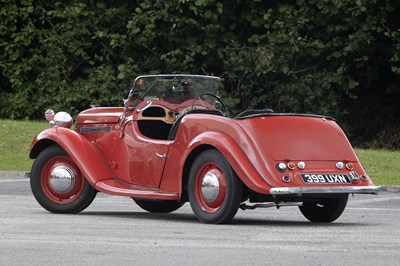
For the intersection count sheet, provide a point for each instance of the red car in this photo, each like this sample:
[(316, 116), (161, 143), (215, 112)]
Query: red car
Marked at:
[(173, 142)]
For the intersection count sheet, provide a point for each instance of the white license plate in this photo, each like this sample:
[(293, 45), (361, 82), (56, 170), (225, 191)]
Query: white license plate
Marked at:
[(326, 178)]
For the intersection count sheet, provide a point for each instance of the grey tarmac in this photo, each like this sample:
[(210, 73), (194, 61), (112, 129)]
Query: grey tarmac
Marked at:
[(113, 230)]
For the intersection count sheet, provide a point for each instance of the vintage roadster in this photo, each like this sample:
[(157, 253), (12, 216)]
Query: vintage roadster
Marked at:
[(173, 142)]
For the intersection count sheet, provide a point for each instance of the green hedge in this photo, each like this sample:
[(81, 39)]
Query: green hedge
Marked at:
[(338, 58)]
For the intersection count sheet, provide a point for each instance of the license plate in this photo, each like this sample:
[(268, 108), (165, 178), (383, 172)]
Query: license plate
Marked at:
[(326, 178)]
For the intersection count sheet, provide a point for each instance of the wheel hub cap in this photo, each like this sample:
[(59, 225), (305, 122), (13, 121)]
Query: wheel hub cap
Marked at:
[(62, 179), (210, 187)]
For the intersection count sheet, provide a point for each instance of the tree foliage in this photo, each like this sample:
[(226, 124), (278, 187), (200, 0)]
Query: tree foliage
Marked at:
[(339, 58)]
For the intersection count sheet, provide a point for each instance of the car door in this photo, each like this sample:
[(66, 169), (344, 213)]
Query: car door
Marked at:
[(146, 157)]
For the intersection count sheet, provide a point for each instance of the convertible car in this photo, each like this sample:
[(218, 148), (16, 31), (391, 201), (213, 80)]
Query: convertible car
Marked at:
[(173, 141)]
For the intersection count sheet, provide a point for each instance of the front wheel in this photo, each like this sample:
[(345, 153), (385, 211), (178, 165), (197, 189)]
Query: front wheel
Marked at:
[(324, 210), (158, 206), (214, 189), (57, 183)]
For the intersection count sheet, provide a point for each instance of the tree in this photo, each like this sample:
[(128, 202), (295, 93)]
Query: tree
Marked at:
[(338, 58)]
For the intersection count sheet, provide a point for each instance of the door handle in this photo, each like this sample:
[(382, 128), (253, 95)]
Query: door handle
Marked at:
[(161, 155)]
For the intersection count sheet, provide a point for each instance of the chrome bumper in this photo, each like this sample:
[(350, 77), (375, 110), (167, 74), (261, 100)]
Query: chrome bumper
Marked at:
[(325, 190)]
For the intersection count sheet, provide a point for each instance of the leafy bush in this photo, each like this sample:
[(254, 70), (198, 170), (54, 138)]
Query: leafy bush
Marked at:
[(63, 56), (324, 57)]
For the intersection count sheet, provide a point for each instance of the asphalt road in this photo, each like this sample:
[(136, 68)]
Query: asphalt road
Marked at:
[(113, 230)]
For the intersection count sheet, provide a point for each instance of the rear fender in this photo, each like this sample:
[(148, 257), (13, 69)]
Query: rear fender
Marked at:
[(235, 156), (84, 154)]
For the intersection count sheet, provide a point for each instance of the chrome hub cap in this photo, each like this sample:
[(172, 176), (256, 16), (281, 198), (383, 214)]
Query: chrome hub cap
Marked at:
[(62, 179), (210, 187)]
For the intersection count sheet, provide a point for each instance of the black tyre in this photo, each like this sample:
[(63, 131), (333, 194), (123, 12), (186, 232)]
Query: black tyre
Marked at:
[(57, 183), (324, 210), (158, 206), (214, 189)]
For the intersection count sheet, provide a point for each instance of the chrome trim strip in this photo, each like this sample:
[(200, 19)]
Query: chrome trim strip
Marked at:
[(325, 190), (148, 104), (95, 129)]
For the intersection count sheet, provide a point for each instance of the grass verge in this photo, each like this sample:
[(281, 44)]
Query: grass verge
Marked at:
[(16, 136), (15, 140), (381, 165)]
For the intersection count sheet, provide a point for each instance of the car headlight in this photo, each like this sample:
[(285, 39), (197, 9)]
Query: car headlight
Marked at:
[(60, 119), (63, 119)]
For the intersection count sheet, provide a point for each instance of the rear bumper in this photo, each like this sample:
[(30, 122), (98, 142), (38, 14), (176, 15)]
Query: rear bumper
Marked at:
[(325, 190)]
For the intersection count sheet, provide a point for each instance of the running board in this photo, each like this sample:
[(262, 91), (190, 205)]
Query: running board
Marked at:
[(244, 206), (112, 187)]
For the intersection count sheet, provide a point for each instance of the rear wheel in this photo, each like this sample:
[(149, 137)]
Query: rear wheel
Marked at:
[(57, 183), (324, 210), (214, 189), (158, 206)]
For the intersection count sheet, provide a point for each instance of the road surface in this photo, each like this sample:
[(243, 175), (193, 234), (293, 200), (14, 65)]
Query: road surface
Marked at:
[(113, 230)]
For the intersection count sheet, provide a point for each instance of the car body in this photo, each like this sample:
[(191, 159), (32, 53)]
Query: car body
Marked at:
[(173, 141)]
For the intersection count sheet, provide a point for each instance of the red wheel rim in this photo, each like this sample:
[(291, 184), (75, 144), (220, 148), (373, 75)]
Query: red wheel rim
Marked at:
[(75, 184), (210, 198)]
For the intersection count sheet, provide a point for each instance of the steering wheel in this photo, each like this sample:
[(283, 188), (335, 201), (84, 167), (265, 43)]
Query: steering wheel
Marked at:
[(226, 113)]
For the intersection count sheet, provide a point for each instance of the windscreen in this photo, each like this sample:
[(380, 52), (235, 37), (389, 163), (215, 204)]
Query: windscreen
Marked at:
[(174, 89)]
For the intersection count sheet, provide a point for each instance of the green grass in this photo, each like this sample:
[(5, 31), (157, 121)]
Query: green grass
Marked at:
[(381, 165), (15, 140), (16, 136)]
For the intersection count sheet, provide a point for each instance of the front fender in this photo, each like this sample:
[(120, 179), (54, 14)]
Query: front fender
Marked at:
[(235, 156), (84, 154)]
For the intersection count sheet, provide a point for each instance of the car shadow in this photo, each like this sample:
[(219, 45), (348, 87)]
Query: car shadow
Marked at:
[(293, 223), (184, 217), (238, 221)]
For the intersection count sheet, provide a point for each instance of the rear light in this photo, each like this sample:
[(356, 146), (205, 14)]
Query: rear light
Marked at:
[(363, 178), (281, 167), (349, 166), (286, 179), (301, 165), (339, 165), (291, 165)]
